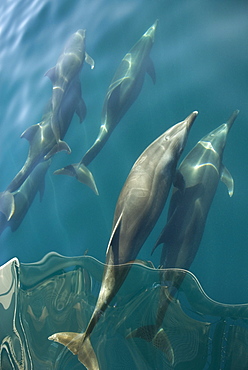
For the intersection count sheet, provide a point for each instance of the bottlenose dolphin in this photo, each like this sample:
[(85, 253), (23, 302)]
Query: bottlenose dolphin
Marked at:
[(139, 205), (25, 195), (200, 171), (67, 68), (43, 144), (122, 92)]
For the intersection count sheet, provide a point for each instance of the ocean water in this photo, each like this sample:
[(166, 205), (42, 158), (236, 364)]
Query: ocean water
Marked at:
[(200, 55)]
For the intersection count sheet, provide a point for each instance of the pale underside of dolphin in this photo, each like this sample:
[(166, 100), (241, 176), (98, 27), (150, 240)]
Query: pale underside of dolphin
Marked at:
[(201, 171), (138, 207), (122, 93)]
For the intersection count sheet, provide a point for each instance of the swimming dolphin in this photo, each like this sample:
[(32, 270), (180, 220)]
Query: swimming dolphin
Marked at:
[(122, 92), (201, 171), (43, 144), (139, 205), (25, 195), (67, 68)]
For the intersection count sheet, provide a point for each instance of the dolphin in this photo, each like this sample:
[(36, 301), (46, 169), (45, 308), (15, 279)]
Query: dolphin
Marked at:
[(122, 92), (67, 68), (139, 205), (43, 144), (200, 171), (25, 195)]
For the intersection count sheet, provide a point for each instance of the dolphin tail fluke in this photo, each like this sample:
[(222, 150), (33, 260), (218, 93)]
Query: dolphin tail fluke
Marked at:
[(158, 338), (7, 204), (80, 346), (82, 174), (59, 147)]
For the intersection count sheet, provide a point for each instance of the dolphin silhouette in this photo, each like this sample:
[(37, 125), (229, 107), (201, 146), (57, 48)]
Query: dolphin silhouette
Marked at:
[(43, 144), (67, 68), (122, 92), (200, 171), (139, 205), (25, 195)]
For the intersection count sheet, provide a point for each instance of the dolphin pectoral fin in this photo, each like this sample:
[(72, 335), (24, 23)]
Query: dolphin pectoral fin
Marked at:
[(80, 346), (30, 132), (114, 238), (81, 110), (226, 177), (158, 338), (89, 60), (151, 70), (59, 147), (82, 174), (7, 204), (51, 74)]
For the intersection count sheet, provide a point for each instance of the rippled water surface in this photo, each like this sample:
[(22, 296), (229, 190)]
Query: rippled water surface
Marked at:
[(200, 56)]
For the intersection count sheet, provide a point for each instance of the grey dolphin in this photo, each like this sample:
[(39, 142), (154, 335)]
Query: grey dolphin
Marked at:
[(200, 173), (122, 92), (138, 207), (25, 195), (67, 68), (43, 144)]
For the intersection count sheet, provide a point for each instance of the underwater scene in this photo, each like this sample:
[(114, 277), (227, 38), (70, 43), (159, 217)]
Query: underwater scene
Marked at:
[(123, 203)]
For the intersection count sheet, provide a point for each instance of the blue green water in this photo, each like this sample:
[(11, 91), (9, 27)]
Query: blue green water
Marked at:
[(200, 56)]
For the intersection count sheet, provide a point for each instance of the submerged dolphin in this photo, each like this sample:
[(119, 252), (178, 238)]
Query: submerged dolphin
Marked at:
[(67, 68), (139, 205), (201, 171), (25, 195), (43, 144), (122, 92)]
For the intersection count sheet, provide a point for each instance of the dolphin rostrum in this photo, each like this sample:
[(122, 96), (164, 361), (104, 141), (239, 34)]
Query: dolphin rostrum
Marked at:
[(67, 68), (200, 171), (43, 144), (122, 92), (139, 205)]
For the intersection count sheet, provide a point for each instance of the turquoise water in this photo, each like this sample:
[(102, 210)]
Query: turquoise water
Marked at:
[(200, 56)]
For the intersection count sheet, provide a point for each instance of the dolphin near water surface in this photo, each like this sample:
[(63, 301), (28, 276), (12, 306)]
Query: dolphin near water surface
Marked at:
[(25, 195), (200, 171), (43, 144), (67, 68), (139, 205), (122, 93)]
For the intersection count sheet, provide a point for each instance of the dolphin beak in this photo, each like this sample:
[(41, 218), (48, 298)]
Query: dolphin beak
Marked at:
[(232, 119), (151, 31), (190, 119)]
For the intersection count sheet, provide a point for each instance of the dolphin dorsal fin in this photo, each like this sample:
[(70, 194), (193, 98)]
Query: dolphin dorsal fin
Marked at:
[(29, 133), (89, 60), (226, 177), (151, 70), (51, 74)]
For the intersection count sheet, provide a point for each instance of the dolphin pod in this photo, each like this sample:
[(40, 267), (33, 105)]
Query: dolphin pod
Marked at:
[(138, 208), (200, 171), (122, 93), (43, 137)]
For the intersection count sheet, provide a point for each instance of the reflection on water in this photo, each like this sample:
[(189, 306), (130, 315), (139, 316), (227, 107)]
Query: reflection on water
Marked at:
[(59, 294)]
